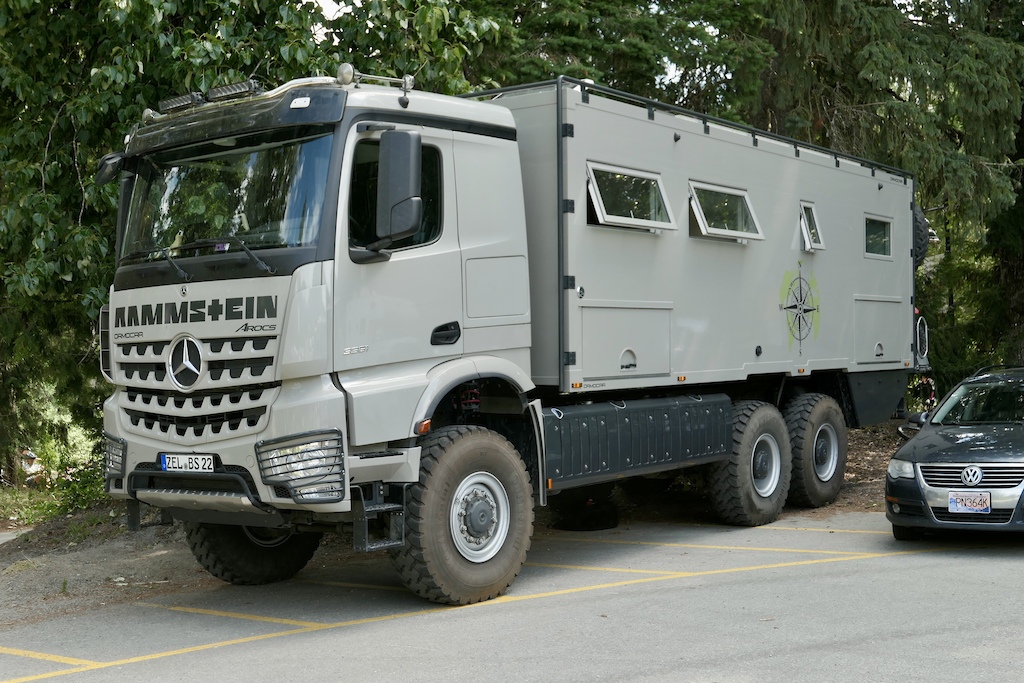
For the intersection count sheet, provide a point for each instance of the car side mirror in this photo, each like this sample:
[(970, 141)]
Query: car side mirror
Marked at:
[(914, 423), (399, 205)]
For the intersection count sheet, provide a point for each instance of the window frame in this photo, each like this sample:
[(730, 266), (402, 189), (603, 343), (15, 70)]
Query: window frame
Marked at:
[(810, 245), (709, 231), (887, 221), (399, 246), (615, 220)]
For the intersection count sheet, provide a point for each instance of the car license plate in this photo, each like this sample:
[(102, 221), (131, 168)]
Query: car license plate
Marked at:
[(978, 502), (186, 462)]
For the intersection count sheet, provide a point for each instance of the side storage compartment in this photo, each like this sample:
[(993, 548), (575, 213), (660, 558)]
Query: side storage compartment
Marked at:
[(597, 442)]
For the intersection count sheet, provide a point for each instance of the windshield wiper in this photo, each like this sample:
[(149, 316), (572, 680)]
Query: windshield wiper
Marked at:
[(165, 254), (214, 241)]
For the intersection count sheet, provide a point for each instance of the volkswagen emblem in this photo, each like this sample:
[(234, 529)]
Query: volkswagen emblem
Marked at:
[(972, 476), (185, 362)]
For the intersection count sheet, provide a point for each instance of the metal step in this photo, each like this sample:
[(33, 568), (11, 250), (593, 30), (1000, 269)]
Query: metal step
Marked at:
[(385, 504)]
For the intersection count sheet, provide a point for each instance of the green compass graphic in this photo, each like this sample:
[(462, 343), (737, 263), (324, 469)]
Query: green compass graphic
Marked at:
[(800, 304)]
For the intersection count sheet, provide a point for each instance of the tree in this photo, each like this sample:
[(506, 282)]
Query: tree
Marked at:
[(75, 76)]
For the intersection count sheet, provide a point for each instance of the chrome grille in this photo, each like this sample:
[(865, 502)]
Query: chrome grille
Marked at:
[(232, 397), (995, 476)]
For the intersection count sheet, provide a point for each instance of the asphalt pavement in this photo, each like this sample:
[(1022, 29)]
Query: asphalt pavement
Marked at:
[(831, 598)]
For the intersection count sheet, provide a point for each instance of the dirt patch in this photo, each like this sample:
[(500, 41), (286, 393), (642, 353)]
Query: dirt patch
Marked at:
[(90, 559)]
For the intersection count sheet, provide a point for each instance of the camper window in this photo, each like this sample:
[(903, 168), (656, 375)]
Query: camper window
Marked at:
[(723, 212), (628, 198), (809, 227), (877, 237)]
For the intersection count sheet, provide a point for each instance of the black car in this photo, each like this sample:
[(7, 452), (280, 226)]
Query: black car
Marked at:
[(964, 468)]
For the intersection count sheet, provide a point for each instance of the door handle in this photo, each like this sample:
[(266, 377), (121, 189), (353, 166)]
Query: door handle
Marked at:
[(448, 333)]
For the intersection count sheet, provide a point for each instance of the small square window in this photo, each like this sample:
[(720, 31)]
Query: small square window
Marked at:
[(809, 227), (877, 237), (723, 212), (628, 198)]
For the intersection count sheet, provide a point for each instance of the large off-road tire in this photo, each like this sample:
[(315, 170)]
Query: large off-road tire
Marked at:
[(750, 488), (469, 519), (817, 434), (250, 555)]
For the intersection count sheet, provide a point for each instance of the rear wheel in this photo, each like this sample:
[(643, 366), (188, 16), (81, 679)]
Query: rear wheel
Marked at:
[(469, 519), (750, 487), (250, 555), (817, 433)]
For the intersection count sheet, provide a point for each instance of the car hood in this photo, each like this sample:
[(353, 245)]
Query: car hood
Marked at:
[(968, 443)]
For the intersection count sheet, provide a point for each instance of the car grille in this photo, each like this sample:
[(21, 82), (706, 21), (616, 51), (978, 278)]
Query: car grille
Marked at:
[(996, 476), (994, 517), (232, 398)]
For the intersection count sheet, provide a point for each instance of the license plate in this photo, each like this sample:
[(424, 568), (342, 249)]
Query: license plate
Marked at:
[(186, 462), (970, 501)]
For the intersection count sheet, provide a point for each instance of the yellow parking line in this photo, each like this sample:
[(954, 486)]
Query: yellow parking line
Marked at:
[(44, 656), (772, 527), (82, 666), (617, 570), (94, 666), (233, 615), (347, 584), (701, 546)]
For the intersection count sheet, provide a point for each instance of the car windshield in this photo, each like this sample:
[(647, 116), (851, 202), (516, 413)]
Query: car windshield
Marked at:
[(983, 402), (263, 190)]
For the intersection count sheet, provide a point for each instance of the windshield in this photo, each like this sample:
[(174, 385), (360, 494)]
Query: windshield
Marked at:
[(264, 191), (983, 402)]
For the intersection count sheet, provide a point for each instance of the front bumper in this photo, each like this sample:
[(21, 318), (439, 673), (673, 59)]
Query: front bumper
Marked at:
[(252, 482), (913, 503)]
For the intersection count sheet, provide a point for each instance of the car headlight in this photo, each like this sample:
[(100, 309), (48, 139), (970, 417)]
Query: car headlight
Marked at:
[(900, 469)]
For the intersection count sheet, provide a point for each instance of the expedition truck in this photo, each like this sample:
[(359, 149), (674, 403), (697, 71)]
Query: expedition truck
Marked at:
[(339, 303)]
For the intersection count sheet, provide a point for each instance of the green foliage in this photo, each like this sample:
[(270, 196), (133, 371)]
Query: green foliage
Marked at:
[(933, 86), (27, 506)]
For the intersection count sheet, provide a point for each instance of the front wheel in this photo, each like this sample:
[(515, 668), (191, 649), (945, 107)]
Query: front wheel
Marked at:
[(250, 555), (469, 519), (750, 488)]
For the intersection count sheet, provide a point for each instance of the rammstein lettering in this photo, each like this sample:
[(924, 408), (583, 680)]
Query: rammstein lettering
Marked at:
[(200, 310)]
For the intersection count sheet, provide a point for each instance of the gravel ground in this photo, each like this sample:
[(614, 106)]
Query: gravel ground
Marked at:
[(90, 559)]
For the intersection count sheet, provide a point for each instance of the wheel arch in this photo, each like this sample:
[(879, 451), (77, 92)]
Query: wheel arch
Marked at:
[(491, 392)]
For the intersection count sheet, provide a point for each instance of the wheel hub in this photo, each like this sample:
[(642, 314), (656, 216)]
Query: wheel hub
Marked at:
[(477, 515), (826, 452), (766, 465), (761, 464)]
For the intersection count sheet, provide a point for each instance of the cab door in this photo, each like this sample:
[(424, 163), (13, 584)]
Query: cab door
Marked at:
[(409, 307)]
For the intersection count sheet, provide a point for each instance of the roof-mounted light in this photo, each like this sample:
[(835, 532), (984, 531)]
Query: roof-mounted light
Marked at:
[(173, 104), (234, 90), (347, 75)]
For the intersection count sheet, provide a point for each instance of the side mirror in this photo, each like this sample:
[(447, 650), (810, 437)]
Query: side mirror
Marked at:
[(399, 205), (110, 167), (914, 423)]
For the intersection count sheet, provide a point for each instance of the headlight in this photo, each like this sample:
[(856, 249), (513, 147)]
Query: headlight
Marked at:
[(900, 469), (113, 455), (310, 466)]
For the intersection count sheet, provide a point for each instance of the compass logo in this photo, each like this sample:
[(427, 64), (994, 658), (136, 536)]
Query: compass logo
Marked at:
[(800, 304)]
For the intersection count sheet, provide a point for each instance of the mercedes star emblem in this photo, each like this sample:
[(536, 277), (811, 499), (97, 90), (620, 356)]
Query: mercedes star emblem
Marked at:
[(971, 476), (185, 363)]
